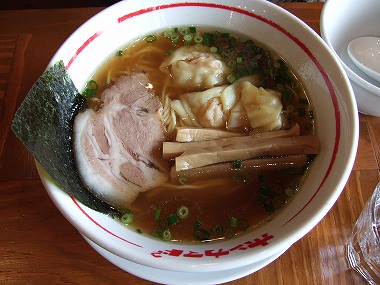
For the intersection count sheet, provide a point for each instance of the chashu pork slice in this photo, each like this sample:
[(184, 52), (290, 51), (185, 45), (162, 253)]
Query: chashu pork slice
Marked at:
[(118, 148)]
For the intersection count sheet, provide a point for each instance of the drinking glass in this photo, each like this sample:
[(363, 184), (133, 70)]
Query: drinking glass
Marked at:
[(363, 248)]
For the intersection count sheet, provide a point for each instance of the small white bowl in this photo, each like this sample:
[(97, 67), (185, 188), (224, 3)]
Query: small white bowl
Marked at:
[(336, 121), (341, 22)]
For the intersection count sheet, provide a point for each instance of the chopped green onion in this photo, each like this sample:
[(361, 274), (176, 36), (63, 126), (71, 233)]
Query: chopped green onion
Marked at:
[(183, 31), (157, 215), (295, 184), (193, 30), (280, 87), (91, 88), (157, 232), (150, 38), (233, 222), (174, 38), (162, 225), (168, 33), (166, 235), (92, 84), (176, 29), (127, 218), (289, 191), (172, 219), (290, 108), (218, 229), (243, 225), (201, 234), (183, 212), (139, 231), (188, 38), (231, 63), (182, 179), (237, 164), (213, 49), (268, 206), (197, 224), (231, 78), (169, 52), (239, 60), (119, 53), (265, 192), (239, 177), (276, 64), (198, 39), (229, 233)]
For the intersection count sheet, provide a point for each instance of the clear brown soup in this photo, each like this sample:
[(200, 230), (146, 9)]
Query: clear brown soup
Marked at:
[(224, 206)]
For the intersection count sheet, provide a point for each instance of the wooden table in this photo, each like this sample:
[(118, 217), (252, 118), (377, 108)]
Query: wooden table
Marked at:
[(39, 246)]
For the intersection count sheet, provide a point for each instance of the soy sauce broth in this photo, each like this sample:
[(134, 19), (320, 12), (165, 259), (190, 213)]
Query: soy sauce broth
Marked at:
[(225, 206)]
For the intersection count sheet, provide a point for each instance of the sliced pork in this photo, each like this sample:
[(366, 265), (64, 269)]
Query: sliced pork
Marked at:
[(118, 148)]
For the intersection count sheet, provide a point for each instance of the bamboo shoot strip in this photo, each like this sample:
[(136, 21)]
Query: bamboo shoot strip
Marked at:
[(199, 157), (249, 166), (174, 149), (189, 134)]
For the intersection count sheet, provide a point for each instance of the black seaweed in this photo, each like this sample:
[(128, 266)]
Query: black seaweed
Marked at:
[(44, 123)]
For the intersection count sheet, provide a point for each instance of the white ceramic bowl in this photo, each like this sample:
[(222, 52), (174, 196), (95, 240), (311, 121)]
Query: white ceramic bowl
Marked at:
[(341, 22), (335, 118)]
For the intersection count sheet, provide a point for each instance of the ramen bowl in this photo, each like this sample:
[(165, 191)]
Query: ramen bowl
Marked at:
[(341, 22), (336, 124)]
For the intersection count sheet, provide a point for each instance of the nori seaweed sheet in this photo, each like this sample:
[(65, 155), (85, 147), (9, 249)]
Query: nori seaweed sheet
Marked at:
[(44, 123)]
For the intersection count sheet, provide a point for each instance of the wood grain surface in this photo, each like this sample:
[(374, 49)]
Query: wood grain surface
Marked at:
[(39, 246)]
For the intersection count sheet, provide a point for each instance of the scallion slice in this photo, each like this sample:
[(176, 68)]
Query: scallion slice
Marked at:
[(193, 30), (202, 234), (239, 177), (91, 88), (172, 219), (157, 214), (265, 192), (239, 60), (233, 222), (150, 38), (127, 218), (197, 224), (295, 184), (198, 39), (166, 235), (168, 33), (174, 38), (237, 164), (213, 49), (243, 225), (188, 38), (289, 191), (231, 78), (218, 229), (183, 31), (182, 180), (183, 212)]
